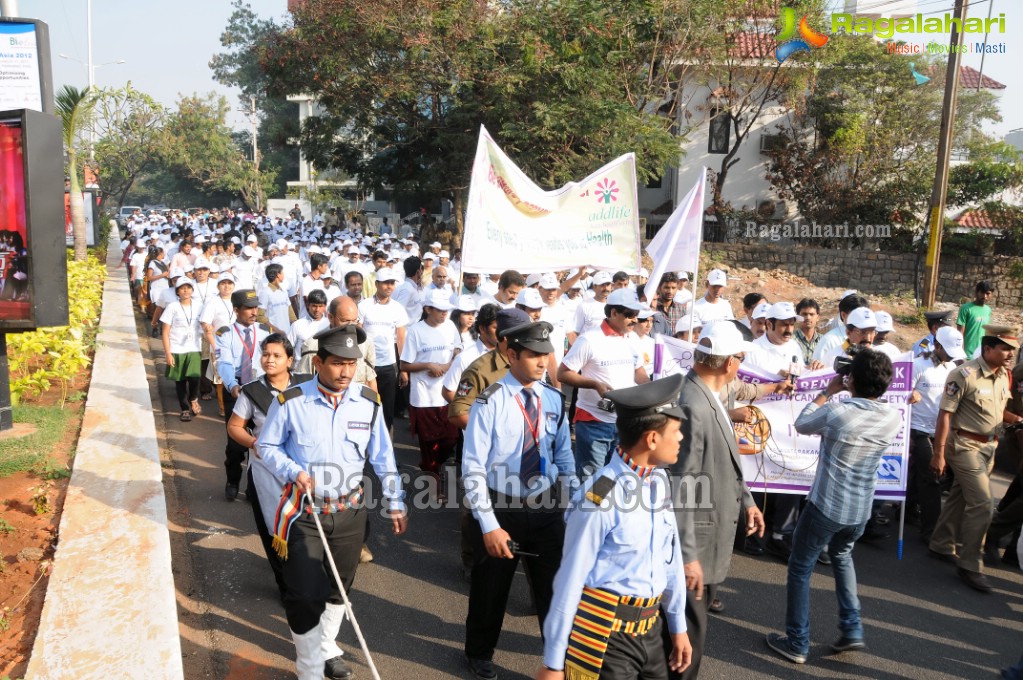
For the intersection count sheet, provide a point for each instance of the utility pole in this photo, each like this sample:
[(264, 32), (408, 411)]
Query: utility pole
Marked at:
[(254, 120), (939, 192)]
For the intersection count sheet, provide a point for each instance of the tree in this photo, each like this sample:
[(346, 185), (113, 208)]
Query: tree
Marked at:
[(129, 125), (238, 66), (738, 68), (75, 109), (859, 143), (402, 88), (198, 144)]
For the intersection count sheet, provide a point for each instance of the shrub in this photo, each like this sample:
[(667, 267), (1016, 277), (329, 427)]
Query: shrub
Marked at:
[(57, 355)]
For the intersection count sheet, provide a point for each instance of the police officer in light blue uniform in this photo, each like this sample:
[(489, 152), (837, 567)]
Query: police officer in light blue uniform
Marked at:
[(925, 345), (238, 356), (318, 436), (622, 582), (517, 446)]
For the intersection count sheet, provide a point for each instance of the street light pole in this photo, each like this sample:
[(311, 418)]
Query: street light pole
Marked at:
[(939, 191), (9, 8), (92, 78)]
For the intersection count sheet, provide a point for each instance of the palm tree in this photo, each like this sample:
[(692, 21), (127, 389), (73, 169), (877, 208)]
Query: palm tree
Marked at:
[(75, 109)]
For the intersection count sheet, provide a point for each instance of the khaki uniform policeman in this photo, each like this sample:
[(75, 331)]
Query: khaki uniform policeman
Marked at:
[(971, 411)]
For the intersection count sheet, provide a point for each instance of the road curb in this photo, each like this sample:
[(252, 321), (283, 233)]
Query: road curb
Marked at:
[(110, 609)]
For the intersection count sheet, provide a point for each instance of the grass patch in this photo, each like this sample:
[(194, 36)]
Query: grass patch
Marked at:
[(32, 452)]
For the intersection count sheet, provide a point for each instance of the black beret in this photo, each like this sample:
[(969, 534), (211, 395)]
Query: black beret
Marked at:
[(342, 341), (657, 397), (245, 298)]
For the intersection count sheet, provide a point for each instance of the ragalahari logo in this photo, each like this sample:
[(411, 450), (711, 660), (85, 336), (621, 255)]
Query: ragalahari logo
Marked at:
[(790, 44)]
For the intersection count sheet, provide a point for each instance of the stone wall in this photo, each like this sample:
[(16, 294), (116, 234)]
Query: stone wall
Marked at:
[(877, 273)]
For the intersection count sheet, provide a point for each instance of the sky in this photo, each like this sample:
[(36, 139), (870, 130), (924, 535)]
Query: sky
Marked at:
[(167, 45)]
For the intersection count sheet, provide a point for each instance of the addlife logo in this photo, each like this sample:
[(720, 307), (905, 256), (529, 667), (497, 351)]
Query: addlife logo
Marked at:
[(789, 43)]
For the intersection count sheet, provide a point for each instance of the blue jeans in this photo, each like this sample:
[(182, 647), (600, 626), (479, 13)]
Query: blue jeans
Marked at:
[(594, 443), (813, 533)]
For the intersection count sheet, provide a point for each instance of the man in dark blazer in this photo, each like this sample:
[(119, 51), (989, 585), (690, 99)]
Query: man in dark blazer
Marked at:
[(710, 490)]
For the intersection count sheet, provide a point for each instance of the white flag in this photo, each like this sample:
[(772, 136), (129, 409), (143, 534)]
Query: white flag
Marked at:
[(676, 247)]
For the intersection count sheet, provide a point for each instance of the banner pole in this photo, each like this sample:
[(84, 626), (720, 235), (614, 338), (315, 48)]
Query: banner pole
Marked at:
[(902, 524)]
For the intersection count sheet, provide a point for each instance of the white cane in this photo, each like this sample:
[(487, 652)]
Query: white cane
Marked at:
[(340, 586)]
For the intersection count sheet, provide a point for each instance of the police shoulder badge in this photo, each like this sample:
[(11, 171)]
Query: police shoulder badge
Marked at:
[(951, 389), (463, 388)]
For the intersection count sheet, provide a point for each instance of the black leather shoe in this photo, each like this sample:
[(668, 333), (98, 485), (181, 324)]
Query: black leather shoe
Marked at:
[(753, 545), (844, 644), (716, 606), (874, 532), (231, 491), (337, 669), (975, 580), (780, 548), (482, 668), (824, 558)]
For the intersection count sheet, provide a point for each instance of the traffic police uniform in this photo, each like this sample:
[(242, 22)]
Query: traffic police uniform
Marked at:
[(517, 444), (330, 436), (925, 345), (483, 372), (623, 580), (261, 395), (976, 396), (238, 345)]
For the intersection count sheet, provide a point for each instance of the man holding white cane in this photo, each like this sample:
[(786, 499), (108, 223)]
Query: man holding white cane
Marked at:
[(317, 438)]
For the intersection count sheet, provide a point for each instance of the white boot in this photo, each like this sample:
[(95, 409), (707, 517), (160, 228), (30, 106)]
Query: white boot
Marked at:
[(330, 625), (309, 659)]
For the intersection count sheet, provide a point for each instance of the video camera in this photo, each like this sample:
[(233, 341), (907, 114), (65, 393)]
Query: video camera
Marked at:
[(843, 363)]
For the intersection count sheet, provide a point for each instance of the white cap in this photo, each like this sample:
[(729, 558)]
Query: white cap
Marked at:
[(861, 317), (429, 256), (386, 274), (645, 313), (435, 244), (683, 324), (202, 263), (252, 239), (952, 340), (236, 240), (884, 322), (600, 278), (683, 276), (141, 243), (225, 276), (444, 253), (200, 239), (761, 310), (175, 272), (549, 281), (438, 300), (625, 297), (851, 291), (214, 268), (717, 277), (723, 340), (466, 303), (644, 273), (353, 250), (182, 281), (530, 299), (282, 244), (250, 251), (783, 310), (533, 279)]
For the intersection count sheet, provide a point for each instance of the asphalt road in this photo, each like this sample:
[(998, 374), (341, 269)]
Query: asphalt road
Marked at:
[(920, 620)]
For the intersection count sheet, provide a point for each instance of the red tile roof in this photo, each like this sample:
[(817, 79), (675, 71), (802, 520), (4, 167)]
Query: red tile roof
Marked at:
[(969, 77), (750, 44), (976, 219)]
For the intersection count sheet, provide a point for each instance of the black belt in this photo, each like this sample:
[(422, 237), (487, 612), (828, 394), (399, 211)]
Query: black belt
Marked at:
[(547, 500), (632, 614)]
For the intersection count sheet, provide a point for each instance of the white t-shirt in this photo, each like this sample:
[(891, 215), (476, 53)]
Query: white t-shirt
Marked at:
[(217, 313), (137, 262), (410, 296), (775, 358), (645, 349), (611, 359), (588, 316), (427, 344), (158, 286), (929, 381), (889, 350), (204, 292), (469, 354), (185, 333), (381, 323), (830, 341), (302, 330), (719, 310), (277, 305), (557, 315)]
